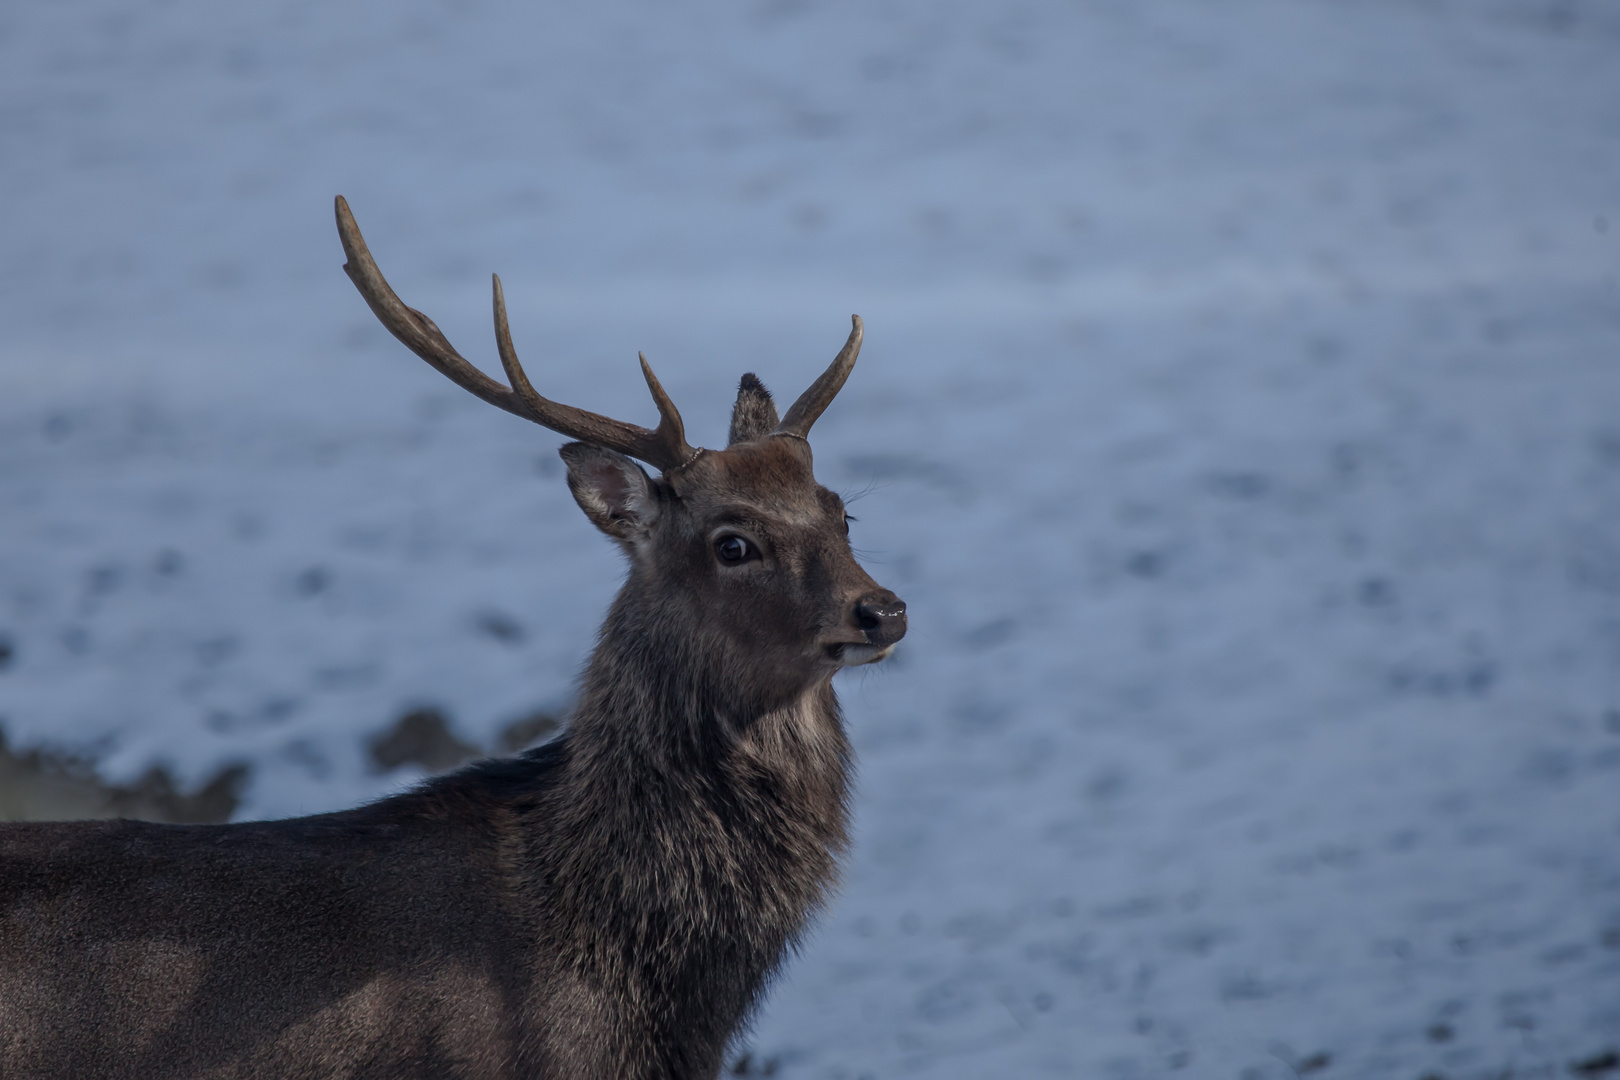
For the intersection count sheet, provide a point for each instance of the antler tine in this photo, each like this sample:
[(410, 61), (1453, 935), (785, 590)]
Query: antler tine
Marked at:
[(814, 401), (665, 448), (671, 431), (415, 330)]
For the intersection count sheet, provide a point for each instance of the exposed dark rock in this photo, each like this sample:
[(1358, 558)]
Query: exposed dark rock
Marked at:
[(1606, 1061), (528, 730), (420, 737), (40, 785)]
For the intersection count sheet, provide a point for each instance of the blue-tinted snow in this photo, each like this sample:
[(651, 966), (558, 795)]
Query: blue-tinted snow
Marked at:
[(1240, 416)]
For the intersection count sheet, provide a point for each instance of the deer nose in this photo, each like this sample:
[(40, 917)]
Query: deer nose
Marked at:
[(882, 617)]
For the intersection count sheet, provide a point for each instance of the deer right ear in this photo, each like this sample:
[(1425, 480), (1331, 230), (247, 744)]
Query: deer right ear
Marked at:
[(754, 415), (613, 491)]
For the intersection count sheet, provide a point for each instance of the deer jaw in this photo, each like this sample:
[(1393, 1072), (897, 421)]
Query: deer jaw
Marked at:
[(859, 655)]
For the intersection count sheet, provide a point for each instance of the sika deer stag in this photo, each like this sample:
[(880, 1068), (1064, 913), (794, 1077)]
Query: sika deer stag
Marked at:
[(608, 905)]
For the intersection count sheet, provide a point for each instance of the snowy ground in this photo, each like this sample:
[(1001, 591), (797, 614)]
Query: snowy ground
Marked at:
[(1240, 416)]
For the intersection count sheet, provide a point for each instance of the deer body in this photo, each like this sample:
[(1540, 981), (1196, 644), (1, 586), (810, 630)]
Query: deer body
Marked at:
[(610, 904)]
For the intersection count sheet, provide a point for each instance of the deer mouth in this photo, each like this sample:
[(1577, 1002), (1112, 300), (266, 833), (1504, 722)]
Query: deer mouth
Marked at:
[(850, 654)]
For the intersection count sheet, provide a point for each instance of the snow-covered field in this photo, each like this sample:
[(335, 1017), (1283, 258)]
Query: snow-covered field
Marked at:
[(1239, 416)]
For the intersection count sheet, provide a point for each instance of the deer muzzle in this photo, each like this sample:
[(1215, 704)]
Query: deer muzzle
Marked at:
[(881, 617)]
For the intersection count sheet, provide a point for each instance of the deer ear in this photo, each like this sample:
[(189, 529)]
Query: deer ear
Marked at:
[(613, 491), (754, 415)]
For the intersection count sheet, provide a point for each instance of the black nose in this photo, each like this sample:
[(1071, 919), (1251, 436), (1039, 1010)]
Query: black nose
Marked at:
[(882, 616)]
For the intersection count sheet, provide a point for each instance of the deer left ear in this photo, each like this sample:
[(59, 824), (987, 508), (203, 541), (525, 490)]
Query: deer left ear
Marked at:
[(615, 493)]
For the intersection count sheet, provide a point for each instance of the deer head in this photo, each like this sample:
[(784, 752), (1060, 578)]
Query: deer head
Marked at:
[(742, 581)]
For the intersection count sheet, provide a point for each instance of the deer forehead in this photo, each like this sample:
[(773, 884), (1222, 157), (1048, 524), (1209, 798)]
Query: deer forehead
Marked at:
[(770, 477)]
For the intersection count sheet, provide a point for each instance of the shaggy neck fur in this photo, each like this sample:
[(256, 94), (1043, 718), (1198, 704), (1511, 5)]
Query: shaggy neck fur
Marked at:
[(711, 829)]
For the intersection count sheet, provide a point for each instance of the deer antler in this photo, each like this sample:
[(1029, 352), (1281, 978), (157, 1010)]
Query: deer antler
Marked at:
[(814, 401), (664, 447)]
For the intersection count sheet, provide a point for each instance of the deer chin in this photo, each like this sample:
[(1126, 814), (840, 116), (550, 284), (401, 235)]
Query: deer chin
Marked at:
[(851, 655)]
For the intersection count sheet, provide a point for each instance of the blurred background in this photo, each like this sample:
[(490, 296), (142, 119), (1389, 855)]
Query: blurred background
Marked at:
[(1239, 416)]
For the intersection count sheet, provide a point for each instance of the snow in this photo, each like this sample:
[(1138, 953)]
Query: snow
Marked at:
[(1239, 417)]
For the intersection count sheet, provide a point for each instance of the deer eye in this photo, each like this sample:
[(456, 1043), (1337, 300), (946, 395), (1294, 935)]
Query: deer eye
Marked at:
[(847, 519), (734, 550)]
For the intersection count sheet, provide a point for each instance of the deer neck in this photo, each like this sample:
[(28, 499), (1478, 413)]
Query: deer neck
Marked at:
[(653, 708), (663, 755), (698, 841)]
